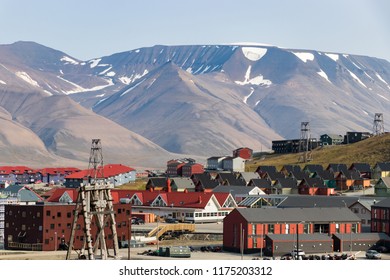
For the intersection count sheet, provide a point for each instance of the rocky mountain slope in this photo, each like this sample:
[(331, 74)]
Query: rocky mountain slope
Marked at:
[(204, 100)]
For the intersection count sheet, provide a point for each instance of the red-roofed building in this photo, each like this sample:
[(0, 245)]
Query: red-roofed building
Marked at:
[(245, 153), (116, 174), (192, 207), (56, 175), (18, 174)]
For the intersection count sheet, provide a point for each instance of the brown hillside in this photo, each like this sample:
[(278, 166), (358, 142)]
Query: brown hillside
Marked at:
[(372, 150)]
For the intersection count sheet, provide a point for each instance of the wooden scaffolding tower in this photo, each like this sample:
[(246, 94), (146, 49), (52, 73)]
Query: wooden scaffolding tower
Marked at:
[(94, 202)]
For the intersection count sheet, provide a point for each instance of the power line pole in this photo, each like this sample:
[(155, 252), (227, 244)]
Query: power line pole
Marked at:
[(378, 127), (304, 143)]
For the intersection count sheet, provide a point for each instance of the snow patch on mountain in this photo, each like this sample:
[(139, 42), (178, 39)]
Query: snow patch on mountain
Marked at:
[(69, 60), (380, 78), (385, 98), (100, 101), (249, 95), (323, 75), (258, 80), (333, 56), (356, 78), (111, 74), (128, 80), (2, 82), (253, 54), (25, 77), (105, 71), (304, 56), (94, 62), (79, 88), (365, 112), (133, 87)]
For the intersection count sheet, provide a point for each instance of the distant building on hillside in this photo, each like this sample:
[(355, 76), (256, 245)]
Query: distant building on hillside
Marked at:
[(331, 139), (353, 137)]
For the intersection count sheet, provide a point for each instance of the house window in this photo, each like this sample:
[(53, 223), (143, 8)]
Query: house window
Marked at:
[(24, 214), (39, 214), (51, 226), (271, 228), (306, 228), (58, 214), (48, 213), (337, 228), (23, 227), (254, 242), (68, 214), (254, 231), (287, 229), (354, 228)]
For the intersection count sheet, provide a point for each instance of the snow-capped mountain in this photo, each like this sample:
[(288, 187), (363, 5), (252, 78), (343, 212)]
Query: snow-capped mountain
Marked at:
[(208, 100)]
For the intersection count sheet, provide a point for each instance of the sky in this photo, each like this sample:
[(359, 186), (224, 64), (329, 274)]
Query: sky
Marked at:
[(88, 29)]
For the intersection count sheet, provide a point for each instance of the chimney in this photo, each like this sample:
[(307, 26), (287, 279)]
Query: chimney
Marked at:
[(200, 199)]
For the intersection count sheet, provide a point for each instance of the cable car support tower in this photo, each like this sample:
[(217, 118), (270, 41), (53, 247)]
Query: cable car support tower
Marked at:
[(94, 203)]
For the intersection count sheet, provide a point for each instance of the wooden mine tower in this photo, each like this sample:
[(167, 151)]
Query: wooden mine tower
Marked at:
[(94, 202)]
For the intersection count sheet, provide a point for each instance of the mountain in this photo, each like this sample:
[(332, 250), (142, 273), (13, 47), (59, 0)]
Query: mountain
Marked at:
[(40, 128), (209, 100)]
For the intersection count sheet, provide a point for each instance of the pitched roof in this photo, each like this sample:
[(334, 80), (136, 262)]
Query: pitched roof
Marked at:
[(385, 180), (324, 175), (288, 168), (297, 215), (383, 203), (312, 201), (59, 192), (157, 182), (337, 167), (183, 182), (58, 170), (25, 193), (361, 167), (261, 183), (274, 175), (350, 174), (313, 182), (266, 168), (299, 175), (204, 180), (247, 176), (230, 179), (109, 170), (235, 190), (313, 167), (383, 166), (286, 182), (18, 169)]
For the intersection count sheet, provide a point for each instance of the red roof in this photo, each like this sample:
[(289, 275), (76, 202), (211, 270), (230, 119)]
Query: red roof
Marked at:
[(55, 197), (109, 170), (58, 170), (16, 169)]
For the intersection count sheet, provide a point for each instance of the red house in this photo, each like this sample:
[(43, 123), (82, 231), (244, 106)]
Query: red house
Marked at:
[(244, 153), (380, 216), (248, 228), (190, 169), (45, 227)]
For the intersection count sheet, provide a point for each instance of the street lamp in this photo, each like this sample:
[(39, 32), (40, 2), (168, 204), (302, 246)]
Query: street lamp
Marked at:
[(262, 241), (297, 256)]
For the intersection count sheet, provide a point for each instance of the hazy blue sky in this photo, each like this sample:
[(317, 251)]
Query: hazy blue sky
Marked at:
[(88, 29)]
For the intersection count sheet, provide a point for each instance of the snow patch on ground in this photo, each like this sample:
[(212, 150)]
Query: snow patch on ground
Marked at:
[(380, 78), (69, 60), (151, 83), (257, 103), (249, 95), (100, 95), (78, 88), (2, 82), (128, 80), (94, 62), (323, 75), (25, 77), (48, 92), (253, 54), (258, 80), (105, 71), (189, 70), (385, 98), (365, 112), (133, 87), (332, 56), (356, 78), (304, 56), (111, 74), (100, 101)]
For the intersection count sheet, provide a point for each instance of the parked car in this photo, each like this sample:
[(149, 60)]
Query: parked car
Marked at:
[(137, 221), (171, 220), (373, 254), (298, 252)]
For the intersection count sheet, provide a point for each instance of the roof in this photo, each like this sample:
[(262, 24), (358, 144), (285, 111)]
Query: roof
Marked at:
[(275, 175), (313, 182), (289, 168), (311, 201), (249, 201), (366, 203), (109, 170), (204, 180), (230, 179), (383, 166), (183, 183), (261, 183), (59, 192), (297, 215), (383, 203), (302, 237), (313, 167), (236, 190), (286, 182), (266, 168), (299, 175), (337, 167), (58, 170), (369, 236), (25, 193), (333, 136), (361, 167), (157, 182), (18, 169), (385, 180), (247, 176), (324, 175), (350, 174)]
